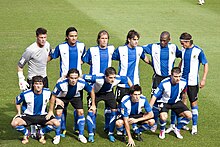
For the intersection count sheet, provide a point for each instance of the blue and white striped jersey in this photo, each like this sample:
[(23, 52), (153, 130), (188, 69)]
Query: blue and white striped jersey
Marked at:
[(169, 93), (128, 62), (163, 59), (70, 56), (100, 85), (99, 59), (66, 91), (191, 59), (127, 107), (34, 104)]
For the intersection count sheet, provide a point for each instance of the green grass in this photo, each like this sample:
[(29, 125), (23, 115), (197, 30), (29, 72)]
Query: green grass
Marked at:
[(19, 20)]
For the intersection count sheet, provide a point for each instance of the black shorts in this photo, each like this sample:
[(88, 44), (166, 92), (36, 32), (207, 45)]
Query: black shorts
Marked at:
[(76, 102), (120, 93), (192, 92), (156, 81), (178, 107), (36, 119), (107, 97), (45, 81)]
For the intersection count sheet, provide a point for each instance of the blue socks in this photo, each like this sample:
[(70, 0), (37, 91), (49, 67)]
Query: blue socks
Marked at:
[(195, 115), (81, 124), (22, 129), (90, 122)]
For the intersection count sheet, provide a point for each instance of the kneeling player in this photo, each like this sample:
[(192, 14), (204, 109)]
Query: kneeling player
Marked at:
[(34, 102), (131, 111), (168, 95)]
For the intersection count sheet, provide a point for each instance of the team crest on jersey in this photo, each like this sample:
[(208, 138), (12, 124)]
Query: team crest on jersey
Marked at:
[(46, 101), (172, 53)]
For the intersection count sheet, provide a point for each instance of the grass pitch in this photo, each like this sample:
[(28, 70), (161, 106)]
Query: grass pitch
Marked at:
[(19, 20)]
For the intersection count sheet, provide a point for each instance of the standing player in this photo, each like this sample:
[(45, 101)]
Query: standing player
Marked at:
[(163, 57), (168, 96), (103, 87), (128, 57), (192, 56), (99, 58), (69, 91), (131, 110), (36, 55), (70, 52), (33, 110)]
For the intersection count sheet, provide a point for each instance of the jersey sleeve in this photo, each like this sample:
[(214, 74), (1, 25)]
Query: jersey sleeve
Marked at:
[(123, 110), (20, 98), (142, 55), (147, 107), (202, 58), (147, 48), (124, 80), (159, 91), (87, 57), (55, 53), (26, 56), (87, 87), (178, 53), (89, 78), (115, 55), (56, 90), (84, 52)]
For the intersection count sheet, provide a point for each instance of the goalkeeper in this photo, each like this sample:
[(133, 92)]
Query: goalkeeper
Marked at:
[(36, 56)]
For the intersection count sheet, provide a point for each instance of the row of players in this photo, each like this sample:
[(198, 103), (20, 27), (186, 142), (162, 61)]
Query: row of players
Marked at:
[(163, 55)]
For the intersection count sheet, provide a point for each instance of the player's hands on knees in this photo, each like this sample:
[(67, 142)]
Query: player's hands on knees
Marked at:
[(93, 109), (132, 121), (17, 115), (130, 142), (48, 116)]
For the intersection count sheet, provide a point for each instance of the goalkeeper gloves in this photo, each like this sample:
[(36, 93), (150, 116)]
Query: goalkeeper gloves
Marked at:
[(22, 83)]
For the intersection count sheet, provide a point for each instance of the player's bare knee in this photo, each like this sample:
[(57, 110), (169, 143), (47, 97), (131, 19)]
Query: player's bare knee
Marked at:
[(151, 122), (119, 123), (59, 112), (56, 123), (188, 114), (163, 116)]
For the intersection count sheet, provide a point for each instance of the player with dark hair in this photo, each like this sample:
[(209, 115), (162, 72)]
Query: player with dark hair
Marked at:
[(163, 55), (36, 56), (103, 87), (131, 114), (192, 57), (128, 57), (70, 52), (69, 91), (31, 108), (168, 96)]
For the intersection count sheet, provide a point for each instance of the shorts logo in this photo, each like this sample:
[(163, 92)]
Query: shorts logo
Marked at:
[(194, 56)]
